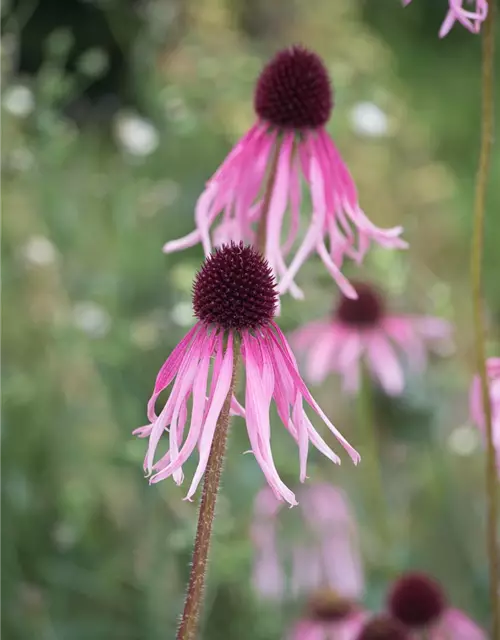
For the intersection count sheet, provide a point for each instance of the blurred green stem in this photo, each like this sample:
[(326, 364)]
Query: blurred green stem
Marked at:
[(371, 457), (487, 126), (188, 628)]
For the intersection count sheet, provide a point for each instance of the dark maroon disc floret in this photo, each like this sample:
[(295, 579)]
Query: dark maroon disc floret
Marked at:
[(327, 606), (294, 90), (364, 312), (383, 627), (235, 289), (416, 600)]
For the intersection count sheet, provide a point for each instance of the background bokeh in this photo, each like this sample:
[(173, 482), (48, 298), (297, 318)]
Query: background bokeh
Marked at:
[(114, 115)]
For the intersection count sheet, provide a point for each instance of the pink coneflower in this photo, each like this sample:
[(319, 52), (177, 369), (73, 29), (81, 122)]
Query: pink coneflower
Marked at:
[(476, 403), (293, 102), (383, 627), (418, 602), (329, 617), (471, 20), (362, 329), (325, 555), (234, 299)]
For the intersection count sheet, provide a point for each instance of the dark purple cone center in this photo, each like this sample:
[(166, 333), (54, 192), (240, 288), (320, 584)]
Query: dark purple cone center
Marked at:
[(235, 289), (417, 600), (327, 606), (363, 313), (384, 627), (294, 91)]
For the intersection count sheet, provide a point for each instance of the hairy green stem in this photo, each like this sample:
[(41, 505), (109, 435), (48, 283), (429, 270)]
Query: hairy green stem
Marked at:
[(188, 628), (487, 126)]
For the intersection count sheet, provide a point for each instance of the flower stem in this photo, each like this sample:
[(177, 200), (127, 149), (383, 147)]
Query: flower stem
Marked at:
[(260, 239), (371, 457), (487, 125), (188, 627)]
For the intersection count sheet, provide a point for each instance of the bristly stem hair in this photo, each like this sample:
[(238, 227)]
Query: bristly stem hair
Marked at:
[(487, 127), (188, 628)]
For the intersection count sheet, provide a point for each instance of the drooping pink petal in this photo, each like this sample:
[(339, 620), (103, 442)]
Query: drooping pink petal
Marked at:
[(221, 390), (457, 625), (257, 402), (281, 344), (170, 465), (169, 370), (384, 364)]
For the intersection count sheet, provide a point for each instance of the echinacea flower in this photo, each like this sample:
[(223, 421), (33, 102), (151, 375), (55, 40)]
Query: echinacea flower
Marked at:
[(476, 403), (362, 330), (419, 602), (329, 617), (383, 627), (234, 299), (323, 554), (293, 102), (471, 20)]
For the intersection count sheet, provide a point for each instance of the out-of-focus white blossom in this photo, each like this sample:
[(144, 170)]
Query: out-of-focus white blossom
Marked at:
[(91, 318), (18, 100), (136, 135), (182, 314), (39, 251), (369, 120), (464, 440)]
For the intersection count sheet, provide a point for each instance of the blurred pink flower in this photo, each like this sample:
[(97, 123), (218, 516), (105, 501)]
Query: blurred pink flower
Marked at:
[(476, 403), (325, 553), (293, 102), (471, 20), (419, 602), (234, 299), (383, 627), (362, 328), (323, 627)]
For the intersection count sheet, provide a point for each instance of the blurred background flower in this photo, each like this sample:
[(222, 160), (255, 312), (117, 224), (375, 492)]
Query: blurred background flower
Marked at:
[(315, 548), (362, 333)]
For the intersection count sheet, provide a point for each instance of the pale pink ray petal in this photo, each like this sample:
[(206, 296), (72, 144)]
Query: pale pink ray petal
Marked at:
[(315, 231), (186, 378), (302, 338), (454, 624), (218, 398), (167, 468), (257, 410), (189, 361), (169, 370), (384, 364), (345, 286), (352, 347), (309, 630), (322, 353), (143, 432), (292, 368), (402, 331), (306, 570), (267, 576), (182, 243), (236, 408)]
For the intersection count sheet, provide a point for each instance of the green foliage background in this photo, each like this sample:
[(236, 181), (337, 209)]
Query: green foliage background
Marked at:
[(89, 549)]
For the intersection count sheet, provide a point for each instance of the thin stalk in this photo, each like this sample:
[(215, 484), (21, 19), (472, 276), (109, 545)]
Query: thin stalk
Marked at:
[(188, 628), (487, 126), (261, 236), (371, 457)]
